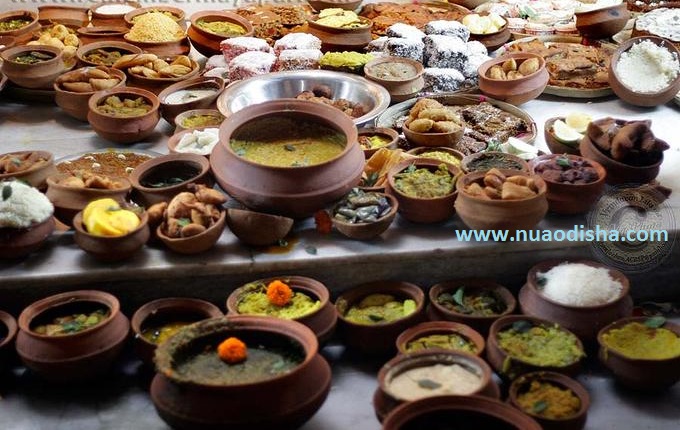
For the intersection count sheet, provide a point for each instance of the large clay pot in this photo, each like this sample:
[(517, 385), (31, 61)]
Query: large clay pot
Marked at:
[(19, 242), (36, 175), (282, 402), (38, 75)]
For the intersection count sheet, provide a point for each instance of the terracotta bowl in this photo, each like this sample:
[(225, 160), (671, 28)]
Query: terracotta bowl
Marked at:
[(178, 14), (8, 332), (18, 243), (208, 43), (7, 42), (319, 5), (511, 215), (380, 131), (422, 210), (433, 139), (494, 40), (194, 244), (484, 412), (514, 91), (170, 111), (291, 399), (440, 327), (584, 321), (554, 144), (35, 176), (341, 39), (164, 311), (99, 19), (420, 152), (111, 248), (163, 49), (574, 422), (73, 16), (165, 167), (257, 228), (636, 98), (68, 201), (566, 198), (618, 172), (180, 118), (123, 129), (510, 367), (368, 231), (156, 85), (399, 89), (322, 321), (640, 374), (77, 357), (106, 45), (24, 33), (290, 191), (468, 162), (39, 75), (90, 35), (437, 311), (377, 339), (76, 104), (384, 400), (174, 140), (602, 23)]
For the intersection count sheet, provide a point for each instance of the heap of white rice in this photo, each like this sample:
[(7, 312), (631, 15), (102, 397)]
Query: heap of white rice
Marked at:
[(577, 284), (22, 206)]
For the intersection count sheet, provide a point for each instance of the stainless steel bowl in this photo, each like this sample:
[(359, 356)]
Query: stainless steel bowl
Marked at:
[(273, 86)]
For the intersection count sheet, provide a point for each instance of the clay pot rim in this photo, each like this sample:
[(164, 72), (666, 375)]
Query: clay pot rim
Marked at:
[(601, 9), (468, 158), (44, 154), (52, 181), (477, 175), (560, 379), (601, 171), (311, 21), (393, 59), (382, 131), (394, 207), (430, 165), (18, 13), (57, 83), (195, 68), (39, 307), (99, 96), (197, 81), (548, 125), (226, 15), (503, 28), (177, 240), (459, 132), (478, 284), (418, 150), (435, 327), (154, 163), (13, 52), (190, 112), (588, 142), (173, 140), (78, 226), (669, 325), (485, 66), (96, 14), (10, 324), (123, 46), (177, 13)]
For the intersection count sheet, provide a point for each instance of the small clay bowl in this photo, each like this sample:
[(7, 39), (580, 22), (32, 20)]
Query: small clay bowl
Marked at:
[(421, 151), (384, 401), (514, 91), (495, 40), (123, 129), (33, 76), (180, 119), (157, 85), (17, 243), (400, 89), (423, 210), (341, 39), (164, 311), (24, 33), (636, 98), (68, 201), (377, 339), (554, 144), (208, 43), (106, 45), (8, 332), (640, 374), (111, 248), (387, 133), (178, 14), (76, 104), (71, 16), (484, 412), (7, 42), (99, 19), (574, 422), (510, 367), (258, 228), (449, 139), (91, 35), (77, 357), (177, 137), (163, 49), (322, 321), (169, 111), (503, 161), (440, 327), (602, 23), (371, 230), (437, 311), (35, 176), (164, 167), (319, 5), (194, 244)]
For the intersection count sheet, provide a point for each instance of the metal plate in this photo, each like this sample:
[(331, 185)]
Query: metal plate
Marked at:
[(152, 154)]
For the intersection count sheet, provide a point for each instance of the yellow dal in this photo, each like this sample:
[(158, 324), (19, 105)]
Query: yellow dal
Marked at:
[(637, 341)]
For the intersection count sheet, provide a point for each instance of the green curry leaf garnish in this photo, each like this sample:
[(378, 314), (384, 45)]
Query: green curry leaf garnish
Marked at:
[(655, 322), (539, 406), (428, 384), (458, 297), (522, 326)]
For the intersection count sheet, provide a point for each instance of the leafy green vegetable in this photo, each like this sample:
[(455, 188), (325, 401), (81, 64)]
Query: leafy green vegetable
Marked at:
[(289, 147), (183, 222), (410, 169), (655, 322), (6, 192), (539, 407), (458, 297), (563, 162), (522, 326), (375, 317), (428, 383)]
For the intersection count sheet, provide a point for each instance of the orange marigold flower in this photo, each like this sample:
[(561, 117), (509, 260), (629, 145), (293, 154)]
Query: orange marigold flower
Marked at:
[(279, 293), (232, 351), (323, 222)]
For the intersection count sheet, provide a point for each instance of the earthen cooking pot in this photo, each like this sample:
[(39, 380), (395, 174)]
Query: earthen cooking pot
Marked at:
[(8, 332), (77, 357), (74, 16), (24, 33), (107, 45), (39, 75), (194, 244), (103, 34), (514, 91), (322, 321), (170, 111), (257, 228), (282, 402), (36, 175), (19, 242), (75, 104), (440, 327), (554, 145), (111, 248), (603, 22), (109, 19), (208, 43), (178, 15), (157, 85), (291, 191), (341, 39), (368, 230)]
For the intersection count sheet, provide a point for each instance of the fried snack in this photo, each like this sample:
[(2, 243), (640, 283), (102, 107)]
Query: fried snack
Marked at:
[(509, 65), (421, 125), (132, 60), (528, 66), (437, 114), (496, 72), (150, 66), (445, 127), (512, 191), (380, 164), (422, 104), (88, 79)]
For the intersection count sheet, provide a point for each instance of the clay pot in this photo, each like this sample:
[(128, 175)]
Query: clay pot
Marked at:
[(469, 161), (387, 133), (163, 168), (194, 244), (163, 311), (602, 23), (106, 45), (449, 139), (421, 151), (319, 5), (257, 228), (7, 42), (510, 367), (77, 357), (423, 210), (554, 145), (290, 399), (477, 411), (322, 321), (377, 339), (72, 16), (123, 129), (341, 39), (566, 198), (514, 91), (208, 43), (174, 140), (163, 49), (8, 332), (111, 248), (437, 312), (180, 118), (92, 35), (107, 19), (495, 40), (170, 111), (178, 14), (35, 176), (19, 242), (574, 422), (440, 327), (399, 89), (618, 172), (76, 104), (290, 191), (636, 98), (24, 33), (371, 230), (156, 85), (39, 75), (640, 374)]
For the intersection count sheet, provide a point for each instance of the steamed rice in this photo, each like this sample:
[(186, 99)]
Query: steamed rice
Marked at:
[(577, 284)]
